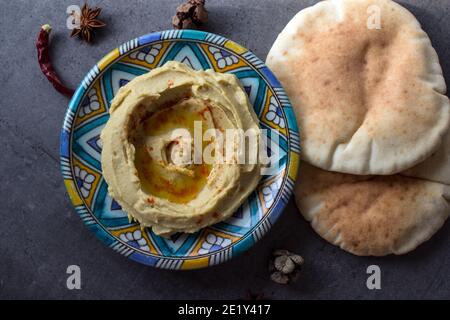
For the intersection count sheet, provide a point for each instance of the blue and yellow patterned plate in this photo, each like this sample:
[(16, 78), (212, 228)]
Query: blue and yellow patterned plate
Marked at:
[(81, 148)]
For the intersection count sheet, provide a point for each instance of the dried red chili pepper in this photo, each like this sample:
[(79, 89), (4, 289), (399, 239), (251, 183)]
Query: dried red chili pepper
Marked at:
[(43, 49)]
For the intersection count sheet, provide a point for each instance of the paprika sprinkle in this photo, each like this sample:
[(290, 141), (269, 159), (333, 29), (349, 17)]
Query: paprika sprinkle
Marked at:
[(43, 49)]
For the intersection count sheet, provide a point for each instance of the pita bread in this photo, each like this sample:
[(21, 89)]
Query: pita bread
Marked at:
[(368, 101), (436, 167), (371, 215)]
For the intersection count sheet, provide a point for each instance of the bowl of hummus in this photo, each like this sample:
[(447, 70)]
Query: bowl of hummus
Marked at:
[(179, 149), (149, 148)]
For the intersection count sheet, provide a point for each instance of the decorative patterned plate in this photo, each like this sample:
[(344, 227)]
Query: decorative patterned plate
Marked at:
[(81, 148)]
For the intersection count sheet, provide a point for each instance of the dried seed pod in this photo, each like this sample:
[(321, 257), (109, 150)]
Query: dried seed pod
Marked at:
[(188, 24), (200, 15), (297, 259), (184, 9), (176, 21), (284, 264), (279, 277), (190, 15)]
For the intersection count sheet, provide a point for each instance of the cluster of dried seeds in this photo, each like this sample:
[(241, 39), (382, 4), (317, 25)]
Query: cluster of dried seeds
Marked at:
[(284, 267), (190, 15)]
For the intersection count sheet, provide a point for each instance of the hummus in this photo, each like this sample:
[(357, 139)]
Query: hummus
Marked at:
[(144, 159)]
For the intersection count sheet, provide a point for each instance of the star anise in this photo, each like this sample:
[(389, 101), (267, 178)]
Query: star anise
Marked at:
[(88, 23)]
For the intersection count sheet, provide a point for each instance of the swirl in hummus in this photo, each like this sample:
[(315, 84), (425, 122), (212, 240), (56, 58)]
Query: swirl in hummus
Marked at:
[(140, 144)]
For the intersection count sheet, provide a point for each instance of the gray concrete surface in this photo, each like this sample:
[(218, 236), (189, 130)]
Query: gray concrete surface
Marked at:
[(40, 232)]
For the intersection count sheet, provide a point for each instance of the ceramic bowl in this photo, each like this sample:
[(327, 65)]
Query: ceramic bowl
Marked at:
[(81, 150)]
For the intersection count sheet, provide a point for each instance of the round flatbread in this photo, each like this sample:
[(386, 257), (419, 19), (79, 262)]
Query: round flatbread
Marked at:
[(436, 167), (371, 215), (366, 86)]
